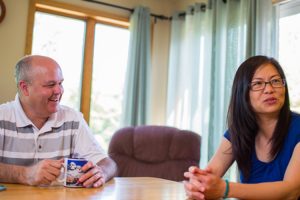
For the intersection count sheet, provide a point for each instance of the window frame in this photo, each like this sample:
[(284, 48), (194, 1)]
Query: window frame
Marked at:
[(285, 9), (91, 17), (289, 8)]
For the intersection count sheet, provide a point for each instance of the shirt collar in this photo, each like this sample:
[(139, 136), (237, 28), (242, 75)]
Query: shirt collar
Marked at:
[(22, 120)]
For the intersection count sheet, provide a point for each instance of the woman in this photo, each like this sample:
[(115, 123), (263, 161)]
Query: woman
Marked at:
[(263, 138)]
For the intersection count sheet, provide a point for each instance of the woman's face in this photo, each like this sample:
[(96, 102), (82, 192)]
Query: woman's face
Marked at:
[(270, 99)]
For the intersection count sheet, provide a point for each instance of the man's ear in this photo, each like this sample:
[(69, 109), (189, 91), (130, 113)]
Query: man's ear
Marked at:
[(23, 87)]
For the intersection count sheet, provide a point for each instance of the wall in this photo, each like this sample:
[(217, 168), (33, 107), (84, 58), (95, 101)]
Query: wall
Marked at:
[(12, 45), (13, 37), (182, 5)]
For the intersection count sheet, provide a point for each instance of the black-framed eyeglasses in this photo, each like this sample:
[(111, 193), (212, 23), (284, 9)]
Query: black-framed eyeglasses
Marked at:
[(260, 85)]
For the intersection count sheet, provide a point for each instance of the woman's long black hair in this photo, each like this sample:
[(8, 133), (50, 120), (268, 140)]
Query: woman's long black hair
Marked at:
[(242, 122)]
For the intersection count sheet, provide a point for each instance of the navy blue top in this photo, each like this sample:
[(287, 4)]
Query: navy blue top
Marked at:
[(275, 169)]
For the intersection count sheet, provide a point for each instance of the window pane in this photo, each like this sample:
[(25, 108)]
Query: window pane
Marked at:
[(62, 38), (289, 52), (109, 69)]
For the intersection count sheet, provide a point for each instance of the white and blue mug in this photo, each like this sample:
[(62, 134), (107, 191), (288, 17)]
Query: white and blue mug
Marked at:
[(71, 172)]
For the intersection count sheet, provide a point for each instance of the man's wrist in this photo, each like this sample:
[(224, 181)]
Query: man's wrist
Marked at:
[(13, 173), (23, 176)]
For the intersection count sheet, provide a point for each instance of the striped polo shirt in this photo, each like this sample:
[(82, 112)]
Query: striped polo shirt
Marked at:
[(65, 134)]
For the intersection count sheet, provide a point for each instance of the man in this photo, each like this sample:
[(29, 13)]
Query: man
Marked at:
[(36, 132)]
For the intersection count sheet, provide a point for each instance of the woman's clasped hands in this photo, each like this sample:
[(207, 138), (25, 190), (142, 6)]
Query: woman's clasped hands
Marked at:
[(203, 184)]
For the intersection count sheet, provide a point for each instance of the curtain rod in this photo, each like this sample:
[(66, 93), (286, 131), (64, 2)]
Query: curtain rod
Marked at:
[(162, 17), (202, 7)]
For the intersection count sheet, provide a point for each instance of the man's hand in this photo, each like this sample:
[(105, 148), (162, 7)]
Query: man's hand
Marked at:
[(44, 172), (94, 175)]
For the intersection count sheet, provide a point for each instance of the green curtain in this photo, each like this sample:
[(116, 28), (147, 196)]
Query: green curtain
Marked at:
[(188, 100), (137, 87), (206, 49)]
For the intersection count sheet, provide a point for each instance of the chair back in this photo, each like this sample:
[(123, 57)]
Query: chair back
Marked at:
[(154, 151)]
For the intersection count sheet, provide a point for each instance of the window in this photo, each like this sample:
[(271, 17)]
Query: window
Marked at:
[(289, 48), (92, 51), (109, 69), (51, 38)]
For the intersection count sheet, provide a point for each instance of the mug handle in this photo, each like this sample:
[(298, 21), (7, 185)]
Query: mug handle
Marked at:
[(61, 178)]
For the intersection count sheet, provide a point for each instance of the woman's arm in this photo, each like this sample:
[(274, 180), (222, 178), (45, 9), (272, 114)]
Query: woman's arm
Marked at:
[(222, 159), (211, 186), (289, 188), (217, 166)]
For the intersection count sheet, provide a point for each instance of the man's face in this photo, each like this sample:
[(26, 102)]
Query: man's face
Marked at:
[(44, 90)]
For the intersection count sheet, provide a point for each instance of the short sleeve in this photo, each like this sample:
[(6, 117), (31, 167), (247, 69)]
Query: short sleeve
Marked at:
[(294, 130), (227, 135), (86, 146)]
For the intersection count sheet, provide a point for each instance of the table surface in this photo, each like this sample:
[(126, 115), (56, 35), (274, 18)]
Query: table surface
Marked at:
[(119, 188)]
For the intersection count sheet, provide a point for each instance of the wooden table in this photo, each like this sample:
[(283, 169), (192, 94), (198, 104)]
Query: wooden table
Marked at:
[(116, 189)]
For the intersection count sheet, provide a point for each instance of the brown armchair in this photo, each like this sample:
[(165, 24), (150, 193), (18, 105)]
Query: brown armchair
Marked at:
[(154, 151)]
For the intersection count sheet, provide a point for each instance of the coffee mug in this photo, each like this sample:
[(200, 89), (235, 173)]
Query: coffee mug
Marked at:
[(71, 172)]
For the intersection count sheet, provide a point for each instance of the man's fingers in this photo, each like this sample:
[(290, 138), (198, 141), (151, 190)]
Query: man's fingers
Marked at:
[(47, 171), (87, 166), (93, 177), (99, 182), (55, 163), (49, 177), (52, 167), (91, 180)]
